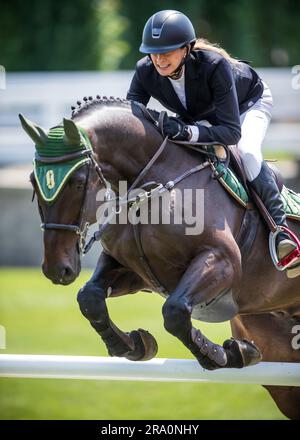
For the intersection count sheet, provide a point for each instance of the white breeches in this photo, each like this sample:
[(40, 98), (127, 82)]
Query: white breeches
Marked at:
[(254, 124)]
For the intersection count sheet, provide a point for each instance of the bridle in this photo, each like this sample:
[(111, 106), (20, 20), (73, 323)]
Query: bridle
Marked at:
[(81, 228)]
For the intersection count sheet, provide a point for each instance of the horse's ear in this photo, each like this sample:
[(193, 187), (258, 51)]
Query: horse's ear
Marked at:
[(72, 134), (36, 133)]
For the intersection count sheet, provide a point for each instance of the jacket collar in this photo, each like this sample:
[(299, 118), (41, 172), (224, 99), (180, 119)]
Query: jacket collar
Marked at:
[(170, 96), (192, 67), (192, 83)]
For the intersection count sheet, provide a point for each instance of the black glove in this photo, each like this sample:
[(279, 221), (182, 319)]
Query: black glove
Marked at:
[(176, 129)]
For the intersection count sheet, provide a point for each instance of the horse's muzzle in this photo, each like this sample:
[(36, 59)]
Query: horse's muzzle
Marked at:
[(61, 273)]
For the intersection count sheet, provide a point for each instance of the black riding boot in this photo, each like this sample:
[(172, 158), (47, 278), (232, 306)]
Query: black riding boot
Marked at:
[(266, 187)]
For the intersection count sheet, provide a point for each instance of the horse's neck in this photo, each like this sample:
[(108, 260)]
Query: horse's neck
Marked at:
[(122, 143)]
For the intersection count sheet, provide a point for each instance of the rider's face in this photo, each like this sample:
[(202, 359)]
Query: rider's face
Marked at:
[(166, 63)]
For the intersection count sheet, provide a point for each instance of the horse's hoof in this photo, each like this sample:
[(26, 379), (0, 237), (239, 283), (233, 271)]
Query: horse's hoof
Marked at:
[(208, 364), (241, 353), (145, 346)]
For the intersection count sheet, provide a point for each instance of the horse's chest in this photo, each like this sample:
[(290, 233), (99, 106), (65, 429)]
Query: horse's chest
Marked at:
[(149, 250)]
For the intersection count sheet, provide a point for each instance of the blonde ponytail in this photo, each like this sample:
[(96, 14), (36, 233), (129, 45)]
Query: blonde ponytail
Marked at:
[(202, 43)]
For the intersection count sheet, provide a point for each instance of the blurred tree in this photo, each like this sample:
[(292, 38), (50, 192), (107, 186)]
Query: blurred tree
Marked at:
[(111, 26), (106, 34), (50, 35)]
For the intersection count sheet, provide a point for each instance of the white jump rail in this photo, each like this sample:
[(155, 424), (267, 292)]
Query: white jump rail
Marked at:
[(160, 370)]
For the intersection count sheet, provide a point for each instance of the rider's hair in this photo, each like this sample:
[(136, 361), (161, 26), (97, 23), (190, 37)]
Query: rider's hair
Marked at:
[(202, 43)]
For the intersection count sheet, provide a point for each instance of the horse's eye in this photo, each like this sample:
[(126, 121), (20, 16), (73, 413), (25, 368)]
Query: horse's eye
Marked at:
[(80, 186), (77, 183)]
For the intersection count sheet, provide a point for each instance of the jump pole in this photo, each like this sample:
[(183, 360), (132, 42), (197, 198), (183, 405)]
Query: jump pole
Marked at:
[(160, 370)]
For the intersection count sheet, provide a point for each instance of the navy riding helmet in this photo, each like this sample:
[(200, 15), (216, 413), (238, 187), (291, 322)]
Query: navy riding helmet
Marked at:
[(166, 31)]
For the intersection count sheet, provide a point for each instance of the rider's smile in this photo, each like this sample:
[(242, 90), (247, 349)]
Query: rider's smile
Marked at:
[(166, 63)]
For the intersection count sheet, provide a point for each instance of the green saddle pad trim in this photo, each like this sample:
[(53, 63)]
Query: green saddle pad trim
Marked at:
[(291, 200), (51, 177)]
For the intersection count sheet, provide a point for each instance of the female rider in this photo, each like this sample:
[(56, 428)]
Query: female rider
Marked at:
[(224, 99)]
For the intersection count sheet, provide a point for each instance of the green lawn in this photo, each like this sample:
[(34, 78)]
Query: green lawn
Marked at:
[(41, 318)]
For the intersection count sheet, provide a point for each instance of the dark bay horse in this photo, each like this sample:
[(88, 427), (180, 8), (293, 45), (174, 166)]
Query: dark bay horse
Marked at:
[(223, 273)]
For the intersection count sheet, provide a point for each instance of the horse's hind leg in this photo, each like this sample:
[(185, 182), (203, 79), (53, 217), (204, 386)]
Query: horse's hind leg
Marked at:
[(273, 335), (112, 279), (209, 274)]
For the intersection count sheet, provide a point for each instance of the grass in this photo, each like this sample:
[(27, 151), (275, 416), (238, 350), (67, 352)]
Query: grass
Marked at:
[(41, 318), (277, 155)]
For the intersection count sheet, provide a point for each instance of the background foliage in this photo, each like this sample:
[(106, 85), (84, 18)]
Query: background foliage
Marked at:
[(106, 34)]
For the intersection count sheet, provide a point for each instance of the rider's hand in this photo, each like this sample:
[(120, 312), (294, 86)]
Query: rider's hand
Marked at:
[(176, 129)]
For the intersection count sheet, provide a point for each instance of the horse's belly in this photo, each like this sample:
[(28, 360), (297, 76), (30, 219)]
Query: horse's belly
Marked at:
[(222, 308)]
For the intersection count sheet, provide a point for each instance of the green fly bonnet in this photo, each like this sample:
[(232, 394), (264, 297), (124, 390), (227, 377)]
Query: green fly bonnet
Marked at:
[(59, 153)]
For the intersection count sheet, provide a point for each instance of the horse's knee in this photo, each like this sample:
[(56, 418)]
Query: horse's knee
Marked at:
[(176, 315), (91, 300)]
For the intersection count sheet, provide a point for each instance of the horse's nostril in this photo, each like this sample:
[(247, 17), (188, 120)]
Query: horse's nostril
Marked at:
[(67, 273)]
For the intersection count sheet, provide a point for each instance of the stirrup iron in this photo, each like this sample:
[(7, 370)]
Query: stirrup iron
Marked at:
[(284, 263)]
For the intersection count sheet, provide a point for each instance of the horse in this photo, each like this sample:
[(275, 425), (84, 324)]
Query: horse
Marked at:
[(224, 273)]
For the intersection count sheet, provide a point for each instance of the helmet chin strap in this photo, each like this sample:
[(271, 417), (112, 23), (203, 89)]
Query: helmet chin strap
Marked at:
[(178, 71)]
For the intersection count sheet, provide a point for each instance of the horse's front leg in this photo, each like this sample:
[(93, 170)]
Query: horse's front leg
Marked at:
[(209, 274), (112, 279)]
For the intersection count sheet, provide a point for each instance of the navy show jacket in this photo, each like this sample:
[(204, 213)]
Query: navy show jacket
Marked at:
[(216, 90)]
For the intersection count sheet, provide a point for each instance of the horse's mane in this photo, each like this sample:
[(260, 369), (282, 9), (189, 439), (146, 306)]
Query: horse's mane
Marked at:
[(90, 103)]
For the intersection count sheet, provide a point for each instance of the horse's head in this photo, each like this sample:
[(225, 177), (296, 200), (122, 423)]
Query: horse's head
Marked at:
[(65, 181)]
